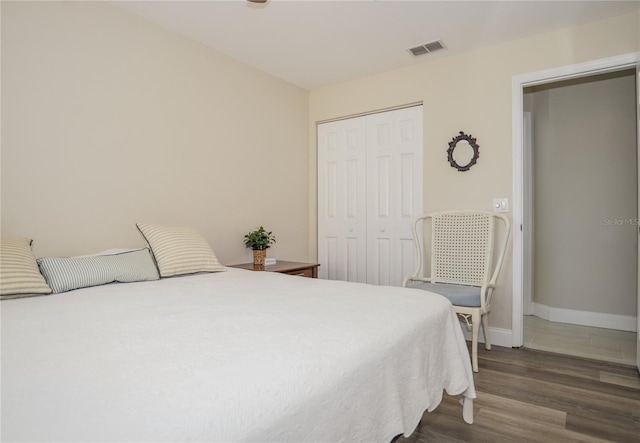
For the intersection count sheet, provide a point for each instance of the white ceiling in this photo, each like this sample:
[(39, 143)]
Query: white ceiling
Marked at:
[(317, 43)]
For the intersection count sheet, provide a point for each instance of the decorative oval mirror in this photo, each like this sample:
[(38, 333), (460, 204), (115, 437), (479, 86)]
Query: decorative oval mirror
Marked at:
[(463, 152)]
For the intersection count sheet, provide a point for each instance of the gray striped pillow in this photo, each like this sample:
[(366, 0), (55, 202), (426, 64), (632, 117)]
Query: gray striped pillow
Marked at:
[(179, 250), (19, 275), (68, 273)]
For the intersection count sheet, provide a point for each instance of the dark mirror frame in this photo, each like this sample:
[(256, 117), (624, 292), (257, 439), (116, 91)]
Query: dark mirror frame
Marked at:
[(452, 145)]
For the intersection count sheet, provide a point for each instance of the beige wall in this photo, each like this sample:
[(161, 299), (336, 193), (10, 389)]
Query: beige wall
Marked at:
[(586, 199), (470, 92), (108, 120)]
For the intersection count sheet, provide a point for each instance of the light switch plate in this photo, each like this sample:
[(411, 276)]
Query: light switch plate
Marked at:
[(500, 205)]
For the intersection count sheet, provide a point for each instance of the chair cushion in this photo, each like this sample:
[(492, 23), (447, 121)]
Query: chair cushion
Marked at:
[(458, 295)]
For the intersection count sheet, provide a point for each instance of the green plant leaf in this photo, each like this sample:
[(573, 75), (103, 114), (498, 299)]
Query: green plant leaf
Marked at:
[(260, 239)]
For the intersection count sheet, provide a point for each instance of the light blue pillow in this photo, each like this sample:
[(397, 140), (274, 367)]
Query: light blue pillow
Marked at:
[(68, 273)]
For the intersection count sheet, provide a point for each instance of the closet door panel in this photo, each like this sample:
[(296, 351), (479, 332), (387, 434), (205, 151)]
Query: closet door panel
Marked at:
[(330, 263), (410, 167), (342, 200), (394, 174), (369, 190)]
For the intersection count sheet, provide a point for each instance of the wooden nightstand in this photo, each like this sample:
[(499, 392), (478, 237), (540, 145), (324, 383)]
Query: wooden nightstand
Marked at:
[(309, 270)]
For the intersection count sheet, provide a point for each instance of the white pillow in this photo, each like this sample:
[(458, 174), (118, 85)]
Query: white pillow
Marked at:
[(179, 250), (110, 252)]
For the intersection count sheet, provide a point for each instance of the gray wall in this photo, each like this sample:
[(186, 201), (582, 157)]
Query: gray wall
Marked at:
[(585, 185)]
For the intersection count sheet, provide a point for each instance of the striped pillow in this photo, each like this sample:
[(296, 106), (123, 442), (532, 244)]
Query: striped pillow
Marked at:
[(19, 275), (68, 273), (179, 250)]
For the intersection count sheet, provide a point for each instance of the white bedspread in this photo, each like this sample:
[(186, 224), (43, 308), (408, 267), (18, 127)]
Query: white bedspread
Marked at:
[(232, 356)]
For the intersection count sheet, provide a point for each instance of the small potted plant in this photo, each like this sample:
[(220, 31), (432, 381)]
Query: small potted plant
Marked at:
[(259, 240)]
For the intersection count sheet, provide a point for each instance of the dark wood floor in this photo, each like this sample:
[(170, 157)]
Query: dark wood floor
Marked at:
[(526, 395)]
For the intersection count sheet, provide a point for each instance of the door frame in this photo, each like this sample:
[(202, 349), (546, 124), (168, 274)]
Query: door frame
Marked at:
[(518, 83), (638, 230), (527, 213)]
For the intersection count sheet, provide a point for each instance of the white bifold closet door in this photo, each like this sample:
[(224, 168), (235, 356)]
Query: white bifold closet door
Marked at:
[(369, 190)]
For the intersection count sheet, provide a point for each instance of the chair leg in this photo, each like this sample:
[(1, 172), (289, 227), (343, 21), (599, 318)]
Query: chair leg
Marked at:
[(475, 330), (485, 332)]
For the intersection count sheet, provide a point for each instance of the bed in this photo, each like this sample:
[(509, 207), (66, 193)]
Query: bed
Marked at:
[(229, 356)]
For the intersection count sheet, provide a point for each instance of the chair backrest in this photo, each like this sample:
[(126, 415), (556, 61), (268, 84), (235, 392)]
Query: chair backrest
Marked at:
[(461, 247)]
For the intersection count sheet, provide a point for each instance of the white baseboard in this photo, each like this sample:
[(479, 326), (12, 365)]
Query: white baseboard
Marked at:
[(498, 336), (586, 318), (503, 337)]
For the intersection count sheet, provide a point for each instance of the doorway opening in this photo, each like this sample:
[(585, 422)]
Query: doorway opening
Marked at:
[(522, 216), (582, 196)]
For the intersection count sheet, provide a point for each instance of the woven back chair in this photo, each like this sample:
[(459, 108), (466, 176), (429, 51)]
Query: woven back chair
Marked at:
[(464, 263)]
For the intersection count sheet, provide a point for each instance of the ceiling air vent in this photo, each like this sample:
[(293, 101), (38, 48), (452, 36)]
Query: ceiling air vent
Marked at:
[(427, 48)]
